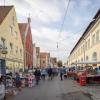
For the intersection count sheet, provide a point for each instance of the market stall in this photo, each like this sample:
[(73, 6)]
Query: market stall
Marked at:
[(90, 73)]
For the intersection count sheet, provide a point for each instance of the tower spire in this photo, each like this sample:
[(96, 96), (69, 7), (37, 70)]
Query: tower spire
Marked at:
[(29, 18)]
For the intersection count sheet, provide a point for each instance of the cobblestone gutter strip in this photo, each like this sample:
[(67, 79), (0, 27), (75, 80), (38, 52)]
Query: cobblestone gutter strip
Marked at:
[(93, 91), (77, 95)]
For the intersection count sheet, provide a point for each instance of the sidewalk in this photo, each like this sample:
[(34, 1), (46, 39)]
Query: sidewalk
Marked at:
[(93, 90)]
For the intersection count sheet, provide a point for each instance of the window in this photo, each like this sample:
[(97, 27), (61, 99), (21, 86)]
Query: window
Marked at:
[(15, 34), (97, 36), (17, 49), (93, 39), (21, 52), (83, 48), (79, 51), (11, 48), (87, 58), (43, 61), (81, 59), (88, 43), (11, 29), (13, 20), (76, 54), (3, 41), (26, 56), (94, 56)]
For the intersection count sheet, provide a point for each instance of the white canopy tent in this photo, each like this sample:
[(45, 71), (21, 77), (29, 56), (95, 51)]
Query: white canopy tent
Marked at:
[(88, 62)]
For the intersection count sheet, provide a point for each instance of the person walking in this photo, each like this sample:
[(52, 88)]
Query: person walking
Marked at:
[(43, 73), (50, 73), (18, 81), (37, 74), (61, 73)]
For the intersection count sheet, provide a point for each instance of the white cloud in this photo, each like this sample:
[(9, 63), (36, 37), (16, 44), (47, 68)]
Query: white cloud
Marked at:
[(40, 10), (85, 3), (47, 39), (43, 12)]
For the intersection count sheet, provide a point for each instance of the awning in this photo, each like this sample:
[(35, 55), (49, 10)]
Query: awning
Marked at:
[(88, 62)]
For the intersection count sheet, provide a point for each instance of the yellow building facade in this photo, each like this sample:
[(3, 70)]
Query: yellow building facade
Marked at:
[(10, 38), (87, 48)]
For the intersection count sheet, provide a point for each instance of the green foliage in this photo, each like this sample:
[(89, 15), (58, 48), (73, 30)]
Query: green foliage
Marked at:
[(59, 63)]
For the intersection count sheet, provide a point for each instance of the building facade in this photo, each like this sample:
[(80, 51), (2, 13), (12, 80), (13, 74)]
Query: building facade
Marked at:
[(26, 35), (34, 55), (53, 61), (87, 48), (38, 57), (44, 59), (10, 39)]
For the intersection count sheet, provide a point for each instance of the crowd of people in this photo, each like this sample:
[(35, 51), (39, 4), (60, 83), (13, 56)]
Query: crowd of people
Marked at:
[(32, 78)]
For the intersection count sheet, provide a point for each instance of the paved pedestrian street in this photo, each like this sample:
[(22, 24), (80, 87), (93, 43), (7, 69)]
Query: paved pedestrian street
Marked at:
[(53, 90)]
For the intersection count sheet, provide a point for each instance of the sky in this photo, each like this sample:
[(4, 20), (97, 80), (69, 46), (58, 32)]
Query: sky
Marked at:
[(46, 20)]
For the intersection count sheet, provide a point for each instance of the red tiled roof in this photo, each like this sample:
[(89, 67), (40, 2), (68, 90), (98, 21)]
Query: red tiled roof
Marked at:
[(22, 28), (43, 54), (4, 10)]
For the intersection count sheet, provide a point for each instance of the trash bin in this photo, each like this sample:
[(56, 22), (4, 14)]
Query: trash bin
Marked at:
[(82, 80)]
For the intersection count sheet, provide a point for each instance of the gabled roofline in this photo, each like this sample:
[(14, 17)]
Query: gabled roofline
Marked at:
[(11, 6), (97, 16)]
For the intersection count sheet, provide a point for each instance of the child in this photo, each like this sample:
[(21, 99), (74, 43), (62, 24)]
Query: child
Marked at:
[(30, 80)]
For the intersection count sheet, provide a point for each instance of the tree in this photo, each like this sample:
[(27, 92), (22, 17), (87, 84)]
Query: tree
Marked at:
[(59, 63)]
